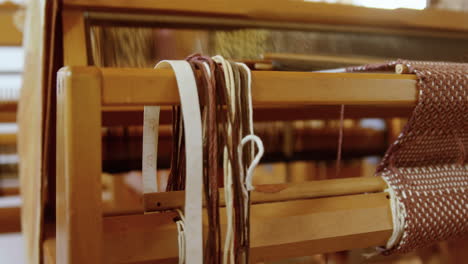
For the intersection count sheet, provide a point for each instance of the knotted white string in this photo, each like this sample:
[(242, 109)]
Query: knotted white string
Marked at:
[(252, 137), (248, 179)]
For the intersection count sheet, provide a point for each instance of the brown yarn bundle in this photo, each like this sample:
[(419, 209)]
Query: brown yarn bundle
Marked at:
[(211, 153), (426, 167), (222, 129)]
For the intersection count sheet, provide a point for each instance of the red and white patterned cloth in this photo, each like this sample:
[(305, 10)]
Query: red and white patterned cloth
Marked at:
[(426, 167)]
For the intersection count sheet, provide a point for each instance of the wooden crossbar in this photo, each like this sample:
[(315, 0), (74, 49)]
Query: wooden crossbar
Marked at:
[(329, 225), (278, 192), (137, 87), (278, 230), (289, 224), (291, 11)]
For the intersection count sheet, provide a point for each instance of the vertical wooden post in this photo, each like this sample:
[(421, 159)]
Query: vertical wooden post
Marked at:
[(79, 202), (74, 38)]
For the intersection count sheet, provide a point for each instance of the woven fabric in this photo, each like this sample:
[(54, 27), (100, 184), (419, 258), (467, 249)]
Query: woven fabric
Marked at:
[(426, 167)]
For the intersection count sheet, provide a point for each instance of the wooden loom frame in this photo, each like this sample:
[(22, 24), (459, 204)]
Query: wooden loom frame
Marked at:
[(84, 235), (83, 91)]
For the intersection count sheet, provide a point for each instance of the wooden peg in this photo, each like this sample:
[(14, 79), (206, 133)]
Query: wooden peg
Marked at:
[(401, 69)]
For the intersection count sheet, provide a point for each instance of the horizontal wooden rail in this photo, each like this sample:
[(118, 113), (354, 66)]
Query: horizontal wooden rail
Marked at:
[(278, 192), (327, 225), (318, 60), (266, 193), (289, 11), (125, 87), (158, 19), (278, 230)]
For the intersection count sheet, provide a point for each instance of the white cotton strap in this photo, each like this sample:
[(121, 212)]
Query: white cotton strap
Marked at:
[(150, 148), (194, 153)]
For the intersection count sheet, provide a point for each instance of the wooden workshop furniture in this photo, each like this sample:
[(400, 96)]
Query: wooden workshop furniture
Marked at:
[(84, 91), (89, 97)]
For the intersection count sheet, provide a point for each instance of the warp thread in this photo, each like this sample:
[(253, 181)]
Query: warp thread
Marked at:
[(227, 130)]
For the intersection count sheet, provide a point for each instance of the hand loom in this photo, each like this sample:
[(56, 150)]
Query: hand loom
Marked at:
[(308, 218)]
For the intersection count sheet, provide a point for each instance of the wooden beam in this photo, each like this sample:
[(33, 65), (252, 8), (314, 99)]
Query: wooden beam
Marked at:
[(137, 87), (291, 11), (78, 186), (319, 62), (325, 225), (278, 192), (215, 21), (74, 38), (321, 59), (278, 230)]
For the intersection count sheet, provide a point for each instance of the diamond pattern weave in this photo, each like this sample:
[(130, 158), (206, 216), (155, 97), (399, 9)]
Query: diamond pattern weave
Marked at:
[(427, 165)]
